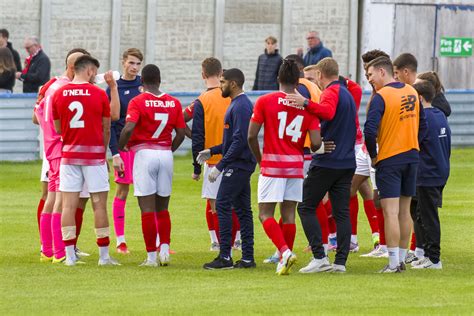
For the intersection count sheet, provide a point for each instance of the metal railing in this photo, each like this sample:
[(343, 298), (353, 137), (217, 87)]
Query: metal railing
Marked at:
[(19, 137)]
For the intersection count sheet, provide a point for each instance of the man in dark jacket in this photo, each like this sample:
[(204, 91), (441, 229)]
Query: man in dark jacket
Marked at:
[(316, 50), (4, 35), (37, 66), (267, 67)]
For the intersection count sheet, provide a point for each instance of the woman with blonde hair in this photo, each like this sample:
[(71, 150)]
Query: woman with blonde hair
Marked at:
[(7, 70)]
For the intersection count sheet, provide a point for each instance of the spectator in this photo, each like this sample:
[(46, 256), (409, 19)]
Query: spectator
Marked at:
[(4, 35), (439, 100), (37, 66), (316, 50), (268, 66), (7, 70)]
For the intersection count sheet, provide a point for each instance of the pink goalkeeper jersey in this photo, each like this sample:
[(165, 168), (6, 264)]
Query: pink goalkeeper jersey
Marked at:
[(44, 113)]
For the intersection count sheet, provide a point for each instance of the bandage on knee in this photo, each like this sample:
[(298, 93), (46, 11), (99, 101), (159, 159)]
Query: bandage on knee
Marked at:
[(102, 232), (68, 232)]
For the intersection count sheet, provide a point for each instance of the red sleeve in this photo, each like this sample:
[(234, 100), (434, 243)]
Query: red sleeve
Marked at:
[(190, 109), (106, 104), (133, 112), (356, 92), (327, 106), (43, 89), (314, 124), (180, 118), (257, 115)]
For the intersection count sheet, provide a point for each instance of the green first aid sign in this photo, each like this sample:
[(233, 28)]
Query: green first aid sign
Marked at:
[(455, 46)]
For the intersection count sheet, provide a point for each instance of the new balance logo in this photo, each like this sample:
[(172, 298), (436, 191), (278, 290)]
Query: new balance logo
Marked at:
[(408, 103)]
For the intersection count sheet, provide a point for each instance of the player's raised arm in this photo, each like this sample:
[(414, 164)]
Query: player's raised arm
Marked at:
[(114, 96)]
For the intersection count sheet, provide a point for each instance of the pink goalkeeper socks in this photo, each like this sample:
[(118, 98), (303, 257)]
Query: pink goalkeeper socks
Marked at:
[(119, 216), (58, 244), (46, 235)]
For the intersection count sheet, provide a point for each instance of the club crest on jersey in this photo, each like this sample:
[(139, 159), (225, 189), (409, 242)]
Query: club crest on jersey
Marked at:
[(126, 92), (229, 172), (226, 126)]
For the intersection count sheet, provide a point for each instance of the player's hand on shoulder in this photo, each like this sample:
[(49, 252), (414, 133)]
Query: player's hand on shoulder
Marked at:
[(296, 99), (203, 156), (196, 177)]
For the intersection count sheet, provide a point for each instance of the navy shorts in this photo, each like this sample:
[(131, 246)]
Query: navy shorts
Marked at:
[(398, 180)]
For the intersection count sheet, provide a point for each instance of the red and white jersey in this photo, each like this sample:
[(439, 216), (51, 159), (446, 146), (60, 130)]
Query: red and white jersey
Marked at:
[(156, 116), (285, 129), (80, 109), (44, 113)]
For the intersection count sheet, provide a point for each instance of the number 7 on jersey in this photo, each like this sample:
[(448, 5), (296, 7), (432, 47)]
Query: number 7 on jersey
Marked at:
[(163, 118)]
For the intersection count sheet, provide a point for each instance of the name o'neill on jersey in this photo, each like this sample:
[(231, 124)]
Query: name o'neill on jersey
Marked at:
[(159, 104), (76, 92)]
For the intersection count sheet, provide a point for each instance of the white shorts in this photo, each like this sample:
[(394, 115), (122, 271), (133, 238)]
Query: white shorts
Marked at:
[(372, 178), (44, 170), (85, 191), (275, 190), (153, 172), (363, 163), (209, 190), (73, 177)]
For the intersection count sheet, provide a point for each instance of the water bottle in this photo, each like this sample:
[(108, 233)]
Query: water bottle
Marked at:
[(99, 78)]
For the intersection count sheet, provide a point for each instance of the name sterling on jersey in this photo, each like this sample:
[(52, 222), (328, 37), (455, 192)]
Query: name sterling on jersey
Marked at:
[(74, 92), (159, 104)]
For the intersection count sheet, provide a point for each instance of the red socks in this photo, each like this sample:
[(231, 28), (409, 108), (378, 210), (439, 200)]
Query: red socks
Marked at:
[(273, 231), (149, 230), (369, 208), (322, 216), (380, 220), (331, 221), (209, 217), (39, 210), (289, 233), (413, 242), (79, 218), (353, 212), (164, 226)]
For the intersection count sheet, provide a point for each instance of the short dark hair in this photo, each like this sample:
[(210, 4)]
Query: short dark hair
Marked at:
[(151, 75), (76, 50), (367, 57), (297, 59), (425, 89), (235, 75), (406, 60), (4, 33), (84, 61), (211, 67), (288, 72), (382, 62)]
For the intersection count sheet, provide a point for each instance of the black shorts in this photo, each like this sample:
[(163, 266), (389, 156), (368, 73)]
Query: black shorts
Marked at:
[(398, 180)]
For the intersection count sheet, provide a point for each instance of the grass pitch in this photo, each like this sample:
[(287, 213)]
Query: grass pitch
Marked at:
[(30, 287)]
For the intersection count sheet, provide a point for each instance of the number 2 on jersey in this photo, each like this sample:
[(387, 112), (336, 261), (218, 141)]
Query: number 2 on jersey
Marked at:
[(76, 121), (293, 129), (163, 118)]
